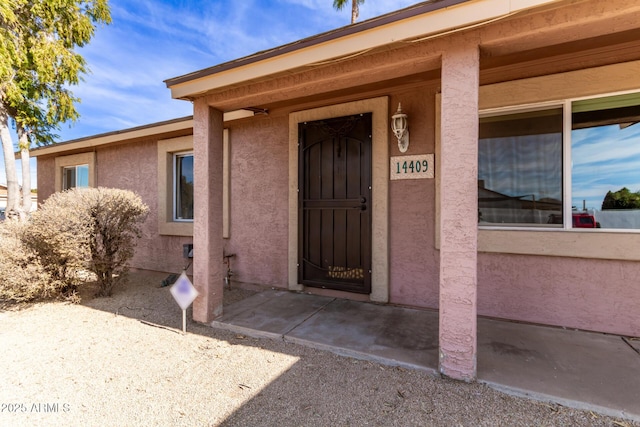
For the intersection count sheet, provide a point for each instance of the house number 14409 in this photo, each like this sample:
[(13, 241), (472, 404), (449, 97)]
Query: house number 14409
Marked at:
[(412, 167)]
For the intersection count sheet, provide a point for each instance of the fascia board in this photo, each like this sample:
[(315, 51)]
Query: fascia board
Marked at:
[(424, 25), (120, 136), (110, 138)]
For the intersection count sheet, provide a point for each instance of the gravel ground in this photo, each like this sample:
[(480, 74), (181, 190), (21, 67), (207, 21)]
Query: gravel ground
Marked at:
[(122, 361)]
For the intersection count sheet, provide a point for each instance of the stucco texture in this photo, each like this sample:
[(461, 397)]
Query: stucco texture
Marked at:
[(134, 167), (259, 201), (131, 166), (594, 294), (413, 259), (46, 178), (597, 295)]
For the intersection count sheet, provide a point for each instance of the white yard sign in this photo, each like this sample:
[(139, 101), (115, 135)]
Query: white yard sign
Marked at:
[(184, 293)]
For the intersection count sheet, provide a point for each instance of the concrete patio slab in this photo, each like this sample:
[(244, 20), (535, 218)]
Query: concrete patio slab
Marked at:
[(270, 314), (392, 335), (574, 368), (634, 343)]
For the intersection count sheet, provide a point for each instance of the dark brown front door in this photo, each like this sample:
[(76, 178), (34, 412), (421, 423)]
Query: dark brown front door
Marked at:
[(334, 203)]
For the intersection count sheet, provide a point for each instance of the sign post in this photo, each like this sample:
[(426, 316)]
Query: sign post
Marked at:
[(184, 293)]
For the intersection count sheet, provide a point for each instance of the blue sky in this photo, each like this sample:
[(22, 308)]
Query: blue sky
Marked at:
[(604, 158), (150, 41)]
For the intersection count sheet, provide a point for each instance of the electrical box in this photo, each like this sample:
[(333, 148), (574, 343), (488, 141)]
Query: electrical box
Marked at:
[(187, 250)]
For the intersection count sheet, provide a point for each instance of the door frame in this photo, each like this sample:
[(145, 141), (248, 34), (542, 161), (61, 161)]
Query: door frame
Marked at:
[(379, 107)]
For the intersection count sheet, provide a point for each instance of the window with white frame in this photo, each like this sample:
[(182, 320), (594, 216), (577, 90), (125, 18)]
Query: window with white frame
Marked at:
[(75, 176), (183, 187), (580, 159)]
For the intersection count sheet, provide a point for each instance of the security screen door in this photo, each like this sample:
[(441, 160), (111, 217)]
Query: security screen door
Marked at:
[(334, 203)]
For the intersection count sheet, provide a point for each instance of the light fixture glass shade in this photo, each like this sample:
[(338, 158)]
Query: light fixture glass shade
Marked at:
[(400, 128)]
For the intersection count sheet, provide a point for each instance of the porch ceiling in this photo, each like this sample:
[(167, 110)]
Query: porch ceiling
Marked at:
[(428, 18), (558, 37), (308, 94), (558, 58)]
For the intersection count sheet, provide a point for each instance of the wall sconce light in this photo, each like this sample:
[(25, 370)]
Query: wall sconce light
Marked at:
[(400, 127)]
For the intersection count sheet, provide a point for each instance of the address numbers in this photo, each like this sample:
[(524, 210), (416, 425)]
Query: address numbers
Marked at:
[(412, 167)]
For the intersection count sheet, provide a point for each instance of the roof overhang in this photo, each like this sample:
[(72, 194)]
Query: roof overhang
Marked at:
[(423, 20), (136, 133)]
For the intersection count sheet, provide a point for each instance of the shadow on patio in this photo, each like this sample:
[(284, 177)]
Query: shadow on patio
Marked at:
[(574, 368)]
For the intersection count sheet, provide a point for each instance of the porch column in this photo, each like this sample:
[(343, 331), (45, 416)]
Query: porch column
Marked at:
[(207, 206), (459, 211)]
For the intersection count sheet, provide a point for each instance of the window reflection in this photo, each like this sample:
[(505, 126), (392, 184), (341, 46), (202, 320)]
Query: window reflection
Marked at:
[(75, 176), (605, 146), (520, 168), (184, 187)]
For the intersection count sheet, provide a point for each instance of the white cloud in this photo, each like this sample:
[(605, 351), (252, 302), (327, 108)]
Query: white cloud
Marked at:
[(150, 41)]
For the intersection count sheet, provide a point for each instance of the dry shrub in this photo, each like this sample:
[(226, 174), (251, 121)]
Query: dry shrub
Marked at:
[(115, 220), (91, 229), (58, 233), (22, 276)]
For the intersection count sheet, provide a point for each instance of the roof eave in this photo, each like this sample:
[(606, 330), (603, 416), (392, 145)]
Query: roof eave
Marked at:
[(438, 17), (135, 133), (138, 132)]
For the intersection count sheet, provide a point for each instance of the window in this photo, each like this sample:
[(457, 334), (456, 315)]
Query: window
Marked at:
[(175, 186), (520, 168), (183, 187), (605, 157), (176, 191), (581, 158), (75, 176), (75, 170)]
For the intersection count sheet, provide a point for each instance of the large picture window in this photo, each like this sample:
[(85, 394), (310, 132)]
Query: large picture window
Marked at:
[(605, 157), (520, 168), (522, 156), (183, 187)]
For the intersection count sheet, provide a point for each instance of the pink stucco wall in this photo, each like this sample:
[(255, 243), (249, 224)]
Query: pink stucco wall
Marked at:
[(134, 167), (46, 178), (413, 259), (598, 295), (259, 208), (208, 143), (458, 210), (587, 294)]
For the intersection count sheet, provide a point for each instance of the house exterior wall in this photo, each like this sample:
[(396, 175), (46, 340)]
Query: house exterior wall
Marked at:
[(597, 295), (571, 292), (413, 258), (259, 200), (587, 283), (586, 292), (130, 167), (521, 275), (46, 178), (134, 167)]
